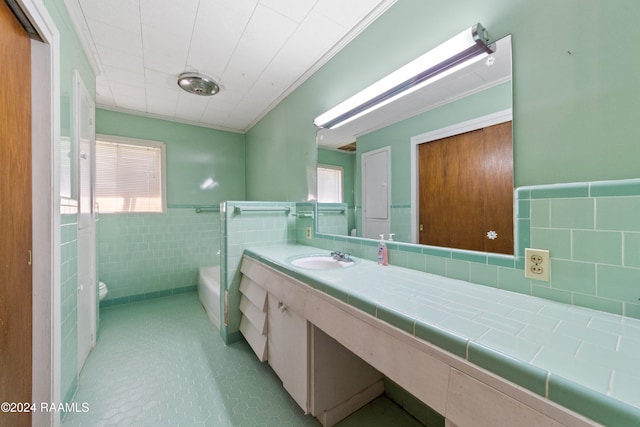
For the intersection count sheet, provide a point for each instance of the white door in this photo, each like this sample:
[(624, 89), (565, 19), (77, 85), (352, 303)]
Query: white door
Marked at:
[(376, 193), (84, 135)]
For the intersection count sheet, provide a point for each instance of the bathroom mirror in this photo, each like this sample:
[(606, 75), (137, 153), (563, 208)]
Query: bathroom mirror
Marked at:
[(471, 98)]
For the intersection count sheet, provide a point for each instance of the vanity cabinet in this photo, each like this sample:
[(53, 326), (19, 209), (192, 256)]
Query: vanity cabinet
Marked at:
[(287, 348), (323, 377), (283, 341), (336, 356)]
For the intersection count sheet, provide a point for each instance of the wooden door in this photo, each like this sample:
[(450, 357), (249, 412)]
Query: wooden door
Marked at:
[(466, 190), (15, 217)]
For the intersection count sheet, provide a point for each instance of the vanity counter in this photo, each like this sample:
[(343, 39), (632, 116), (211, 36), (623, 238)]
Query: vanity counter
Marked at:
[(581, 359)]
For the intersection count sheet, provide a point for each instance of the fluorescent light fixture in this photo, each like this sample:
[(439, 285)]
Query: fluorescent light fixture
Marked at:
[(469, 46)]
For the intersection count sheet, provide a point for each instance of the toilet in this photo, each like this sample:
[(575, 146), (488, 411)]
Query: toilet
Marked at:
[(102, 290)]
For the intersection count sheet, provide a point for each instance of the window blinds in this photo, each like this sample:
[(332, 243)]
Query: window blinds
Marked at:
[(329, 184), (128, 177)]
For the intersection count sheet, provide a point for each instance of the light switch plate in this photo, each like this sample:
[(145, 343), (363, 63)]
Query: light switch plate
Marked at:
[(537, 264)]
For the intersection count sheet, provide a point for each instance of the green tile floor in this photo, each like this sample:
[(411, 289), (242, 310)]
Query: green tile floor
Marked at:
[(161, 363)]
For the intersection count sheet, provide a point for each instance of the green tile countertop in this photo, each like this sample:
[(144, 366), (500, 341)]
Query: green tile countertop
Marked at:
[(582, 359)]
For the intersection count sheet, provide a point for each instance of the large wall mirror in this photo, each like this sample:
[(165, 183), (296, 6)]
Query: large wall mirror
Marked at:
[(437, 161)]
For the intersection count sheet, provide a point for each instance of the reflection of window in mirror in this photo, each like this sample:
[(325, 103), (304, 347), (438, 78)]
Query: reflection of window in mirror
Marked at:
[(330, 184)]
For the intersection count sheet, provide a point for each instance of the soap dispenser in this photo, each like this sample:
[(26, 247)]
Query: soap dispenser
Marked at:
[(383, 257)]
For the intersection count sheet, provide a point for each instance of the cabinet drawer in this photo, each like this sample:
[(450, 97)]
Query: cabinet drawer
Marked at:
[(254, 270), (283, 287), (286, 290), (257, 318), (256, 340), (253, 292)]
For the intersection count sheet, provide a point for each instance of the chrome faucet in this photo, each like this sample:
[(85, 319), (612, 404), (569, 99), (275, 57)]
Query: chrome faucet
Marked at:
[(341, 256)]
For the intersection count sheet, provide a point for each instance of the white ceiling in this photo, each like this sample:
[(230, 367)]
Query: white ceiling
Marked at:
[(257, 50)]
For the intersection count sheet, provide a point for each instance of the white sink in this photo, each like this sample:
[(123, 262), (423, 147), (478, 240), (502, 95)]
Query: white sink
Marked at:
[(320, 262)]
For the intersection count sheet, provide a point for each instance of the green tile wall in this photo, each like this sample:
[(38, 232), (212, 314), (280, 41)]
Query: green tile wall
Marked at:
[(275, 225), (591, 229), (592, 234), (69, 302), (142, 256), (332, 220), (401, 222)]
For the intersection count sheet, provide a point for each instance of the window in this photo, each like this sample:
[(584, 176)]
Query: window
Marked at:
[(329, 184), (129, 175)]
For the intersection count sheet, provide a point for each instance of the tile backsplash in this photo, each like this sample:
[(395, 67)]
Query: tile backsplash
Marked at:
[(591, 229), (69, 300)]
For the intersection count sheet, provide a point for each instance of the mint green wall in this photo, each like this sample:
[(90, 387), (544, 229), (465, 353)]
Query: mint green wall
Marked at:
[(193, 154), (575, 88), (281, 154), (72, 58), (142, 256)]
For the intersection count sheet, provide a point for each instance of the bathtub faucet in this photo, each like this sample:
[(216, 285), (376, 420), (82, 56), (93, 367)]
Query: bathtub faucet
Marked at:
[(341, 256)]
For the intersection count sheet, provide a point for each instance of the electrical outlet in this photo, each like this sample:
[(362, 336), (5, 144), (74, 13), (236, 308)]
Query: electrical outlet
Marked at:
[(308, 233), (536, 265)]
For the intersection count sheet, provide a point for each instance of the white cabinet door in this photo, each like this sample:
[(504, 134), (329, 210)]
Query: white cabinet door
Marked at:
[(376, 193), (287, 344)]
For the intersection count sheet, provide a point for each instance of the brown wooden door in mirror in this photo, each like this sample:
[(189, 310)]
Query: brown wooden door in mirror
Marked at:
[(466, 190)]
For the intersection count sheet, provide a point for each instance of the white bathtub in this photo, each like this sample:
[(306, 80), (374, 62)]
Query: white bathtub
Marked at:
[(209, 292)]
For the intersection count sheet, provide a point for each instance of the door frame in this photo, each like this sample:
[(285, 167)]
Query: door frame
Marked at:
[(456, 129), (89, 231), (45, 78)]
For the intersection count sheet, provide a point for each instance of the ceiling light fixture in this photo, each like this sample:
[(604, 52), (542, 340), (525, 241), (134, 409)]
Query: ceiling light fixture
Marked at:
[(198, 84), (462, 50)]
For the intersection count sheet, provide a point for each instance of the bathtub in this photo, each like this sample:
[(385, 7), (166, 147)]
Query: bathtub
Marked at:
[(209, 292)]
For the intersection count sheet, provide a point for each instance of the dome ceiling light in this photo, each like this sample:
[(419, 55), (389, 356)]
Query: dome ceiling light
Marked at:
[(198, 84)]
